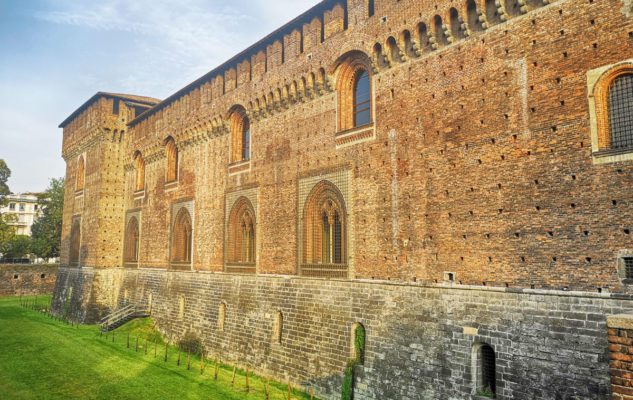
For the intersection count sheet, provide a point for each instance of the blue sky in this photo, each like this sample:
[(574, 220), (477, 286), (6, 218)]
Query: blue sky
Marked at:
[(58, 53)]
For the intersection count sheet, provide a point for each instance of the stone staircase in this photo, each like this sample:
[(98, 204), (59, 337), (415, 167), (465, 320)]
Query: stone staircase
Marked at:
[(123, 315)]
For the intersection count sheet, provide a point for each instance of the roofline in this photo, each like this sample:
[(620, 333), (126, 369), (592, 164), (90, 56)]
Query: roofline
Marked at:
[(233, 61), (96, 97)]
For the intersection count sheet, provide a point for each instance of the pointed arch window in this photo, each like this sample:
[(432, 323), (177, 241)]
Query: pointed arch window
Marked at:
[(182, 239), (171, 151), (139, 167), (362, 99), (241, 254), (131, 245), (324, 231)]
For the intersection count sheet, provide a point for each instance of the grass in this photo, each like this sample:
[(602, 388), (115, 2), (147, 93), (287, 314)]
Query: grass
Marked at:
[(42, 358)]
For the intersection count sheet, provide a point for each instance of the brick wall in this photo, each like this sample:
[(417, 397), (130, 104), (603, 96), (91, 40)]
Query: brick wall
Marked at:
[(420, 338), (620, 334), (18, 280)]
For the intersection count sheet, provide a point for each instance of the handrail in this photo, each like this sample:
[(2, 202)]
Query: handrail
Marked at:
[(119, 315)]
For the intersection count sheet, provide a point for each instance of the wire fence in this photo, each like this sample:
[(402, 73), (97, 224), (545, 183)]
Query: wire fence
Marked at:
[(241, 381)]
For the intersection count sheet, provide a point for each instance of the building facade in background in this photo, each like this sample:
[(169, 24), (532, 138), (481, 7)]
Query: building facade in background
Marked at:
[(25, 209), (453, 178)]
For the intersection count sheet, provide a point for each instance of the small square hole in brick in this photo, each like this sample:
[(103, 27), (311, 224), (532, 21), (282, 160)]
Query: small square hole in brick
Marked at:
[(16, 276)]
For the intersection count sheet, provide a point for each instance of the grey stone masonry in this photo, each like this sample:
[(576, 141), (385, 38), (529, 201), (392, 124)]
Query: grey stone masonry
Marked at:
[(421, 339)]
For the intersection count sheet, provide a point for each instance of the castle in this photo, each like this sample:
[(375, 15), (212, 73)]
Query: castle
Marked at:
[(452, 177)]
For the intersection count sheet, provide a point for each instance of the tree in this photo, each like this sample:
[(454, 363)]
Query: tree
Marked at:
[(5, 173), (47, 229), (18, 246)]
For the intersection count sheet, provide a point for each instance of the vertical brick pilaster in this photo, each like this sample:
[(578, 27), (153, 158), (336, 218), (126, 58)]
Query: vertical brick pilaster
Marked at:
[(620, 336)]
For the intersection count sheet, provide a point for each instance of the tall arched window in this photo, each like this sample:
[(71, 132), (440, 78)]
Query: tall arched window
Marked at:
[(324, 235), (370, 7), (620, 105), (486, 370), (130, 247), (354, 89), (81, 174), (75, 243), (181, 240), (240, 135), (172, 160), (139, 166), (241, 235)]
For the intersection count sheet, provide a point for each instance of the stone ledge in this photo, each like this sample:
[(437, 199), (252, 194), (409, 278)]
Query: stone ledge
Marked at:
[(620, 321)]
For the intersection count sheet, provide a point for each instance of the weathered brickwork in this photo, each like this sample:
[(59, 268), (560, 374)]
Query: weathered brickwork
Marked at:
[(18, 280), (621, 356), (475, 163), (420, 338)]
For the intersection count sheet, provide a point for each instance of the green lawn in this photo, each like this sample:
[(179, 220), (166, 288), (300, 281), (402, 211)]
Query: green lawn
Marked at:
[(41, 358)]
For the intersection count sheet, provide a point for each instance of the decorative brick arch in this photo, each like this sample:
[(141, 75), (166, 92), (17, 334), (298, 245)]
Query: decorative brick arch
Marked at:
[(325, 226), (601, 92), (182, 238), (241, 234), (348, 68), (131, 243)]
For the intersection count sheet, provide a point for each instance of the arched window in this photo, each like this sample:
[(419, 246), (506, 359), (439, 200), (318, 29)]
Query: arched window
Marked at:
[(611, 112), (620, 105), (492, 12), (81, 174), (484, 370), (221, 316), (241, 235), (181, 238), (130, 247), (456, 24), (240, 135), (325, 219), (172, 160), (440, 35), (139, 166), (75, 243), (354, 89)]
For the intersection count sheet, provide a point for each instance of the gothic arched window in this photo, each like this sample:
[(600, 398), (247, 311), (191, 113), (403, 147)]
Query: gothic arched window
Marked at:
[(75, 243), (240, 135), (324, 228), (139, 167), (181, 240), (81, 174), (354, 91), (241, 235)]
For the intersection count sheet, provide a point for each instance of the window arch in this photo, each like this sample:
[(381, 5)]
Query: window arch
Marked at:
[(131, 245), (81, 174), (181, 241), (355, 92), (474, 22), (172, 160), (139, 167), (484, 370), (241, 234), (240, 135), (612, 110), (75, 243), (325, 227)]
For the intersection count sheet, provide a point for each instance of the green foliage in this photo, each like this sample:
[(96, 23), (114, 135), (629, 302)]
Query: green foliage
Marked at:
[(17, 246), (47, 229), (5, 173), (347, 392), (190, 343), (486, 392), (45, 359)]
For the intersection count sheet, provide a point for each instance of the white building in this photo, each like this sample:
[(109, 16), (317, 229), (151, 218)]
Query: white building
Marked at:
[(26, 209)]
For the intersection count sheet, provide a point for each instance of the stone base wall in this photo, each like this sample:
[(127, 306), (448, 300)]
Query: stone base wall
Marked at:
[(421, 340), (18, 280)]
